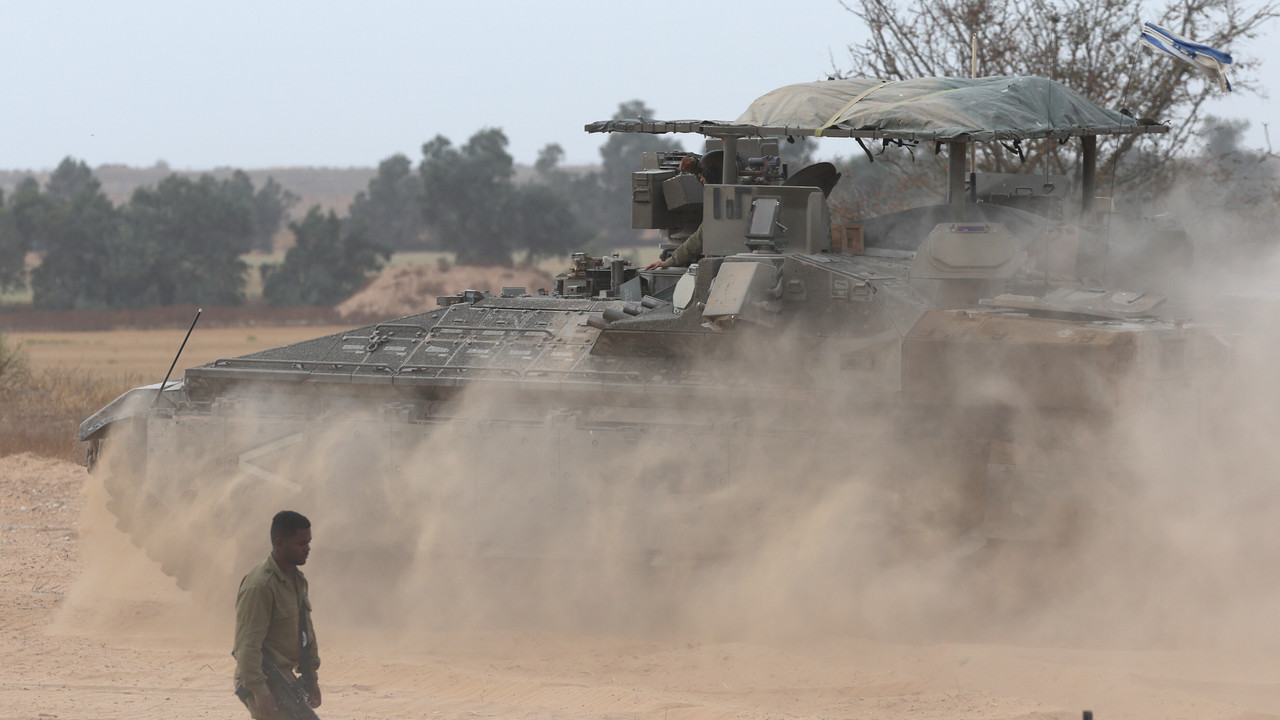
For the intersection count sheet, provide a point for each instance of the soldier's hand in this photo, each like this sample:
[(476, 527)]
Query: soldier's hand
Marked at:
[(313, 694), (264, 705), (655, 264)]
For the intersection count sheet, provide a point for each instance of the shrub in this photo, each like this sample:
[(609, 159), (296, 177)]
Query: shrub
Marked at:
[(41, 410), (13, 363)]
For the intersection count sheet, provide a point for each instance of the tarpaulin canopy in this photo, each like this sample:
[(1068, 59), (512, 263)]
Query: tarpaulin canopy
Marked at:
[(939, 109)]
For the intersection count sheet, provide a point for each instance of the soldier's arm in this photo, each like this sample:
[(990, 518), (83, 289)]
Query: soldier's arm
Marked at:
[(253, 618), (689, 250)]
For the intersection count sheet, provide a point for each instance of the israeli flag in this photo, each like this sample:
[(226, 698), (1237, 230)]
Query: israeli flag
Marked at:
[(1212, 62)]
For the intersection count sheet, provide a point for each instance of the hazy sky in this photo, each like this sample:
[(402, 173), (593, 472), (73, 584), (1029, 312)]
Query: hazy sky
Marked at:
[(266, 84)]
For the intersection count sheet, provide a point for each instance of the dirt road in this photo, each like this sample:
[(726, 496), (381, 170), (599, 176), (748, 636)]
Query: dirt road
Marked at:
[(89, 628)]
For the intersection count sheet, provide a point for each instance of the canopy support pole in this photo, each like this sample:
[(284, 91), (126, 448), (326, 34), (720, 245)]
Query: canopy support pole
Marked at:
[(1089, 171), (955, 179), (729, 167)]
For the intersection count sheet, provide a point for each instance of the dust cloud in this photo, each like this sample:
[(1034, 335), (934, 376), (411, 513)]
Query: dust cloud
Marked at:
[(120, 592), (742, 522)]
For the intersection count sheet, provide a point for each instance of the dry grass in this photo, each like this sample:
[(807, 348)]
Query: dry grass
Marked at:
[(41, 409), (25, 318), (59, 367), (58, 379), (148, 353), (13, 362)]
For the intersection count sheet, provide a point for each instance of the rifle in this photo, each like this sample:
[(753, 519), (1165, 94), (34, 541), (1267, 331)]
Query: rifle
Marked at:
[(290, 694)]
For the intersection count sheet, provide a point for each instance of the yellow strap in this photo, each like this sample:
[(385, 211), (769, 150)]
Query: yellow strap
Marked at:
[(918, 98), (848, 105)]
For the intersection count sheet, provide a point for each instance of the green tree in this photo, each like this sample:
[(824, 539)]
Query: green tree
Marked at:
[(473, 205), (271, 206), (267, 206), (390, 210), (548, 225), (13, 250), (620, 155), (326, 264), (71, 180), (180, 243), (73, 224), (585, 198), (467, 196), (549, 158), (1089, 46), (28, 206)]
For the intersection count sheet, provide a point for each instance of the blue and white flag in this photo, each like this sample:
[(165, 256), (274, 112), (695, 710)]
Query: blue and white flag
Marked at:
[(1212, 62)]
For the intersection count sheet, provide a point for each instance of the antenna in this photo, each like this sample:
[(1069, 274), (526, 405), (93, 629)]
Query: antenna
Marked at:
[(175, 357), (973, 147)]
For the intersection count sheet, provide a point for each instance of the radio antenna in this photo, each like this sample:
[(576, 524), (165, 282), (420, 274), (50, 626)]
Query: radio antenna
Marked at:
[(175, 357)]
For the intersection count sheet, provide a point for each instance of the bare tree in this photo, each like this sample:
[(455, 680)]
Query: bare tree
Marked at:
[(1090, 46), (1241, 184)]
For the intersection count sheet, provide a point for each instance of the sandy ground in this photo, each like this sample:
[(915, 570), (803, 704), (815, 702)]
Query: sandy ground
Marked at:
[(89, 628)]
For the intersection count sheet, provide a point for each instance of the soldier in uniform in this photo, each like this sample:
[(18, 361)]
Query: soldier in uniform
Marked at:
[(273, 618), (708, 169), (683, 256)]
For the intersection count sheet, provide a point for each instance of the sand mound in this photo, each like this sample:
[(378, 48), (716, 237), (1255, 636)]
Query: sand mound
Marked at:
[(410, 289)]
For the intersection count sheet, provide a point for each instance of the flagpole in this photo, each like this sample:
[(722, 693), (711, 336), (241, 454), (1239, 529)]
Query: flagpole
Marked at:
[(973, 147)]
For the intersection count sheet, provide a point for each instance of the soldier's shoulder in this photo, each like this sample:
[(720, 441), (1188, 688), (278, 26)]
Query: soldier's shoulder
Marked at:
[(259, 576)]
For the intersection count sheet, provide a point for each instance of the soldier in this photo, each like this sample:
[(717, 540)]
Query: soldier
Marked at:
[(273, 618), (691, 249)]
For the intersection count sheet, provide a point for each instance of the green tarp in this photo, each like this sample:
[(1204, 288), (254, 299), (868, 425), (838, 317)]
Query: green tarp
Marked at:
[(979, 109)]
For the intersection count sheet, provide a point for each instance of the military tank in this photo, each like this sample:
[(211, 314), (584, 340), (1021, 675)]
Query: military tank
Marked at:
[(958, 364)]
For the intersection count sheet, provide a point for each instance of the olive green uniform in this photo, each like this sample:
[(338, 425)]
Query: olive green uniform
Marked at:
[(690, 250), (272, 616)]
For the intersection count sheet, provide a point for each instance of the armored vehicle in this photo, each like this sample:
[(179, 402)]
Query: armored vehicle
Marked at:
[(953, 367)]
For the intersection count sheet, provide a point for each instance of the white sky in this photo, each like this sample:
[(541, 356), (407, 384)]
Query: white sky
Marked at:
[(271, 83)]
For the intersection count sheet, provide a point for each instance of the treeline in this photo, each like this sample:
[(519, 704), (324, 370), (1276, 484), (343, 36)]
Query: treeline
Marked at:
[(182, 241), (179, 242), (465, 198)]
